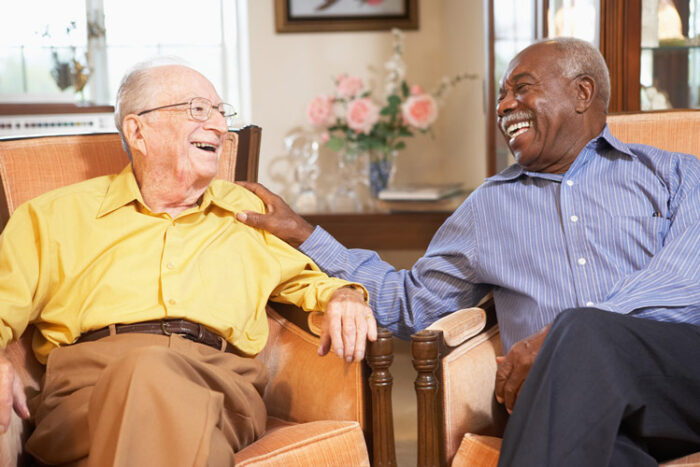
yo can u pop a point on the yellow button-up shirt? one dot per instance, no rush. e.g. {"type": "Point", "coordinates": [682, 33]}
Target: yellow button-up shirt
{"type": "Point", "coordinates": [92, 254]}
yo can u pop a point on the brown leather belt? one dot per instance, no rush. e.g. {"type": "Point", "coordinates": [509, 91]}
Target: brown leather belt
{"type": "Point", "coordinates": [187, 329]}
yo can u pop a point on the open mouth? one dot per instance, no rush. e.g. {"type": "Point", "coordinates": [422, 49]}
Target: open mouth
{"type": "Point", "coordinates": [518, 128]}
{"type": "Point", "coordinates": [205, 146]}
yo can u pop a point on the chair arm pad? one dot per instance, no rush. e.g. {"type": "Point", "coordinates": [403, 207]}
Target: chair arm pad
{"type": "Point", "coordinates": [460, 326]}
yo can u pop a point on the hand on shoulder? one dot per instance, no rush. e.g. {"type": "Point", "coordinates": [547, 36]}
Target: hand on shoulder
{"type": "Point", "coordinates": [280, 220]}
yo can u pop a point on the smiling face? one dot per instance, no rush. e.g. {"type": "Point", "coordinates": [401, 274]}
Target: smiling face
{"type": "Point", "coordinates": [537, 111]}
{"type": "Point", "coordinates": [175, 149]}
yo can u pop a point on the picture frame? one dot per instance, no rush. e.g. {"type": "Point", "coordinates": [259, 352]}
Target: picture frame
{"type": "Point", "coordinates": [345, 15]}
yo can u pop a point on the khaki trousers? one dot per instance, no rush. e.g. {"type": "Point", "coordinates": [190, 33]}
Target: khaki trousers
{"type": "Point", "coordinates": [146, 400]}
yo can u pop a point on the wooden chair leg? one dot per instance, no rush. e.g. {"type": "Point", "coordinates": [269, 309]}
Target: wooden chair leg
{"type": "Point", "coordinates": [380, 355]}
{"type": "Point", "coordinates": [426, 353]}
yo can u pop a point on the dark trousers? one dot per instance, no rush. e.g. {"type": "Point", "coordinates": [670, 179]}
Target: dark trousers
{"type": "Point", "coordinates": [608, 389]}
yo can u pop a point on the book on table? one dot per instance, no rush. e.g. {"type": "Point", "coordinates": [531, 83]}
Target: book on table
{"type": "Point", "coordinates": [442, 199]}
{"type": "Point", "coordinates": [419, 192]}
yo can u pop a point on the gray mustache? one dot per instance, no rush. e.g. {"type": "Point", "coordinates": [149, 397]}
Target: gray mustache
{"type": "Point", "coordinates": [519, 115]}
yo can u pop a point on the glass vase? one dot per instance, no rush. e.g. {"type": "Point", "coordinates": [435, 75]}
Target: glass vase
{"type": "Point", "coordinates": [303, 150]}
{"type": "Point", "coordinates": [345, 197]}
{"type": "Point", "coordinates": [381, 171]}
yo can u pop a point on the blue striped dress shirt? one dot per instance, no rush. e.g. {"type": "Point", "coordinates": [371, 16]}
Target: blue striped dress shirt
{"type": "Point", "coordinates": [619, 231]}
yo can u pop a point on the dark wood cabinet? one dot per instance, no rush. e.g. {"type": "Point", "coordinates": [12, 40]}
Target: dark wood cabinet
{"type": "Point", "coordinates": [382, 231]}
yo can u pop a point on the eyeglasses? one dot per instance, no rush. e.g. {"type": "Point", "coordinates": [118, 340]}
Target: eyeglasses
{"type": "Point", "coordinates": [200, 109]}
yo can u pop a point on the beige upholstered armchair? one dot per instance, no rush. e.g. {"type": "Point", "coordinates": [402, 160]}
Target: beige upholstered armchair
{"type": "Point", "coordinates": [320, 409]}
{"type": "Point", "coordinates": [459, 421]}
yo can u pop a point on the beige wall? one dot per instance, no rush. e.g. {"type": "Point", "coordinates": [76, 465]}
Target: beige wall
{"type": "Point", "coordinates": [287, 70]}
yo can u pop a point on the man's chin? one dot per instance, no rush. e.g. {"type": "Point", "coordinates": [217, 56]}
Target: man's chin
{"type": "Point", "coordinates": [524, 160]}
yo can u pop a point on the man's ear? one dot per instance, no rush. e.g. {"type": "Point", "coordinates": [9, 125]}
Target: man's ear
{"type": "Point", "coordinates": [585, 91]}
{"type": "Point", "coordinates": [133, 134]}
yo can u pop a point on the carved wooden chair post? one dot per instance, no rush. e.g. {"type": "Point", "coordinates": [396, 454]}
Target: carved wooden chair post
{"type": "Point", "coordinates": [425, 348]}
{"type": "Point", "coordinates": [380, 355]}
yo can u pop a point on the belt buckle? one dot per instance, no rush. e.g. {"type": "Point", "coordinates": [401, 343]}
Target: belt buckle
{"type": "Point", "coordinates": [164, 328]}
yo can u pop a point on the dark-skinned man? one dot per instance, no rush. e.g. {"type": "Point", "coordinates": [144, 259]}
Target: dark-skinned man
{"type": "Point", "coordinates": [591, 248]}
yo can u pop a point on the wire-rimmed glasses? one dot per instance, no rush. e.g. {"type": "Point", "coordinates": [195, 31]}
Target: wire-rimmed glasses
{"type": "Point", "coordinates": [200, 109]}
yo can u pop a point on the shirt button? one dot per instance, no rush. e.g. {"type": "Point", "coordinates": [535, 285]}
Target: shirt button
{"type": "Point", "coordinates": [570, 182]}
{"type": "Point", "coordinates": [582, 261]}
{"type": "Point", "coordinates": [170, 266]}
{"type": "Point", "coordinates": [590, 303]}
{"type": "Point", "coordinates": [172, 301]}
{"type": "Point", "coordinates": [574, 218]}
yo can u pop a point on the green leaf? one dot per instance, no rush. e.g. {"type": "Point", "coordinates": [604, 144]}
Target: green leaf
{"type": "Point", "coordinates": [375, 144]}
{"type": "Point", "coordinates": [394, 100]}
{"type": "Point", "coordinates": [404, 89]}
{"type": "Point", "coordinates": [400, 145]}
{"type": "Point", "coordinates": [335, 143]}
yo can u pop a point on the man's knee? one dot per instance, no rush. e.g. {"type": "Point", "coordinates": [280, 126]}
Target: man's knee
{"type": "Point", "coordinates": [586, 330]}
{"type": "Point", "coordinates": [584, 322]}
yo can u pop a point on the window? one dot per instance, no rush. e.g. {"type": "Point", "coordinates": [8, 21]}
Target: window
{"type": "Point", "coordinates": [44, 46]}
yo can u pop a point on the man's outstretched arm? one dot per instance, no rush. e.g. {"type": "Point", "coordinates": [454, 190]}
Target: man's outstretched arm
{"type": "Point", "coordinates": [404, 301]}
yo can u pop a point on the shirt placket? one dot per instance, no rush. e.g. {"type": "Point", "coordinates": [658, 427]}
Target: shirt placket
{"type": "Point", "coordinates": [580, 256]}
{"type": "Point", "coordinates": [169, 268]}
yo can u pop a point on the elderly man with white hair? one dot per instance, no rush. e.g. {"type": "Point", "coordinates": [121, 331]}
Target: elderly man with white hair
{"type": "Point", "coordinates": [149, 296]}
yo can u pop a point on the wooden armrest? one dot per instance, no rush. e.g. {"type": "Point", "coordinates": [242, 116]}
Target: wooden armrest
{"type": "Point", "coordinates": [455, 383]}
{"type": "Point", "coordinates": [461, 325]}
{"type": "Point", "coordinates": [304, 386]}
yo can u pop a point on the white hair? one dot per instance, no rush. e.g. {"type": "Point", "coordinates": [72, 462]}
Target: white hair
{"type": "Point", "coordinates": [581, 57]}
{"type": "Point", "coordinates": [135, 90]}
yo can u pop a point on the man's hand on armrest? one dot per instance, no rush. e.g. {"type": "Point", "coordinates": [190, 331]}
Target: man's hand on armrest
{"type": "Point", "coordinates": [515, 366]}
{"type": "Point", "coordinates": [347, 324]}
{"type": "Point", "coordinates": [11, 393]}
{"type": "Point", "coordinates": [280, 220]}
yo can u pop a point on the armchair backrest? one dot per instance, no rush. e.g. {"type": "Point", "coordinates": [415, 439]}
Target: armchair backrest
{"type": "Point", "coordinates": [671, 130]}
{"type": "Point", "coordinates": [32, 166]}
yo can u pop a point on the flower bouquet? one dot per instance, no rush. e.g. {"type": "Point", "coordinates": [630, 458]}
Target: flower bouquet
{"type": "Point", "coordinates": [355, 123]}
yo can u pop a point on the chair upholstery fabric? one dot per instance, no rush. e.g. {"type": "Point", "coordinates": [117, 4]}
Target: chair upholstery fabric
{"type": "Point", "coordinates": [327, 443]}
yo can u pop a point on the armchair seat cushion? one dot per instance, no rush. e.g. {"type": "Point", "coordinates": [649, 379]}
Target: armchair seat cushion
{"type": "Point", "coordinates": [329, 443]}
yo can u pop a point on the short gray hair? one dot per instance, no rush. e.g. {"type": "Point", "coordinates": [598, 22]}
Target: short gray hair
{"type": "Point", "coordinates": [135, 91]}
{"type": "Point", "coordinates": [582, 57]}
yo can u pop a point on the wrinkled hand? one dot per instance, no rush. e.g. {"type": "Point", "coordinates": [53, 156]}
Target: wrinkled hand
{"type": "Point", "coordinates": [347, 324]}
{"type": "Point", "coordinates": [11, 394]}
{"type": "Point", "coordinates": [515, 366]}
{"type": "Point", "coordinates": [280, 220]}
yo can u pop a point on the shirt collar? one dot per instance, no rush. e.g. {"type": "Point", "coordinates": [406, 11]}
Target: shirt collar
{"type": "Point", "coordinates": [604, 140]}
{"type": "Point", "coordinates": [122, 190]}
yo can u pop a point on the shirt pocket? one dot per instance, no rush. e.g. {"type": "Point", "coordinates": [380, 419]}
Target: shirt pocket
{"type": "Point", "coordinates": [629, 242]}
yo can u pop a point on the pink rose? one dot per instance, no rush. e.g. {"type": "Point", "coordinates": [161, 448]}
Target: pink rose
{"type": "Point", "coordinates": [362, 115]}
{"type": "Point", "coordinates": [325, 137]}
{"type": "Point", "coordinates": [320, 111]}
{"type": "Point", "coordinates": [349, 86]}
{"type": "Point", "coordinates": [373, 2]}
{"type": "Point", "coordinates": [419, 111]}
{"type": "Point", "coordinates": [416, 90]}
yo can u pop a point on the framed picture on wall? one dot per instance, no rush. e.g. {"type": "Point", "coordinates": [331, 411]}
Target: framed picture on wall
{"type": "Point", "coordinates": [345, 15]}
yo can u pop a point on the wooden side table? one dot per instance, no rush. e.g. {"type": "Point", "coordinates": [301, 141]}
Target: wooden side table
{"type": "Point", "coordinates": [382, 231]}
